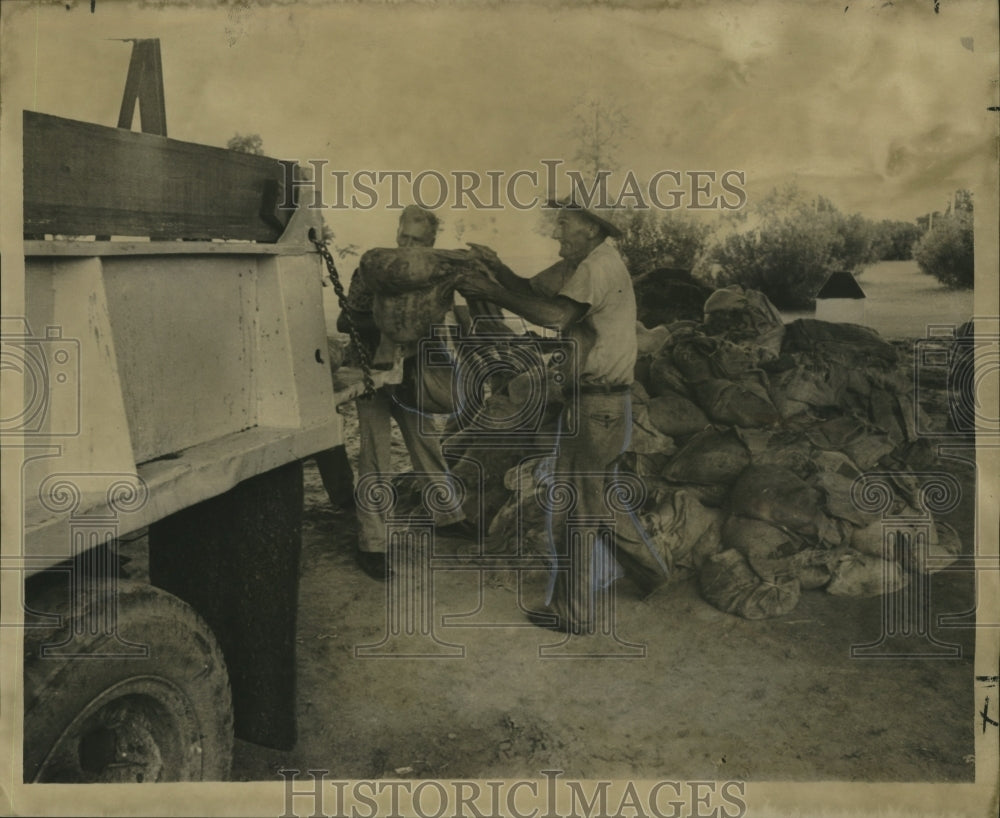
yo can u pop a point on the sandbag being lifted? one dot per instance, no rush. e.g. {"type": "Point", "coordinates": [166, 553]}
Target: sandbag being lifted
{"type": "Point", "coordinates": [412, 287]}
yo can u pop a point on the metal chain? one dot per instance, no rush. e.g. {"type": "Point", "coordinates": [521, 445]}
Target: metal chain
{"type": "Point", "coordinates": [338, 288]}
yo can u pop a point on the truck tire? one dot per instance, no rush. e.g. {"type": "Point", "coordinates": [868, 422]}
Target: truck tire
{"type": "Point", "coordinates": [110, 714]}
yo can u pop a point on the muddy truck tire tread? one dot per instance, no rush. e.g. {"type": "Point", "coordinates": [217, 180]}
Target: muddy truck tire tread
{"type": "Point", "coordinates": [146, 701]}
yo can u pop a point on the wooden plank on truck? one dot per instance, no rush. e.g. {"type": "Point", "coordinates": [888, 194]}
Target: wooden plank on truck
{"type": "Point", "coordinates": [85, 179]}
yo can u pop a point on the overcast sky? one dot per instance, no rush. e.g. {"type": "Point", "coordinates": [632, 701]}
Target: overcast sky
{"type": "Point", "coordinates": [881, 107]}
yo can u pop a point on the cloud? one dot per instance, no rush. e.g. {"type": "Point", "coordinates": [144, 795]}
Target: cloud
{"type": "Point", "coordinates": [873, 104]}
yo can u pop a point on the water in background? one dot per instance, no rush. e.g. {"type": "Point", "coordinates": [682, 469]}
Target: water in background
{"type": "Point", "coordinates": [902, 301]}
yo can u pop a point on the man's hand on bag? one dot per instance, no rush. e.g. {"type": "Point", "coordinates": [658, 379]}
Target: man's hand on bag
{"type": "Point", "coordinates": [485, 254]}
{"type": "Point", "coordinates": [479, 282]}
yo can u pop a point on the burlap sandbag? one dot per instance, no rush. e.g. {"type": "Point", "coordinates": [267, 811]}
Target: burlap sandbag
{"type": "Point", "coordinates": [864, 444]}
{"type": "Point", "coordinates": [731, 360]}
{"type": "Point", "coordinates": [776, 495]}
{"type": "Point", "coordinates": [650, 341]}
{"type": "Point", "coordinates": [940, 555]}
{"type": "Point", "coordinates": [645, 437]}
{"type": "Point", "coordinates": [700, 357]}
{"type": "Point", "coordinates": [394, 270]}
{"type": "Point", "coordinates": [692, 357]}
{"type": "Point", "coordinates": [519, 527]}
{"type": "Point", "coordinates": [664, 377]}
{"type": "Point", "coordinates": [711, 456]}
{"type": "Point", "coordinates": [768, 548]}
{"type": "Point", "coordinates": [923, 547]}
{"type": "Point", "coordinates": [482, 471]}
{"type": "Point", "coordinates": [794, 455]}
{"type": "Point", "coordinates": [893, 412]}
{"type": "Point", "coordinates": [775, 553]}
{"type": "Point", "coordinates": [835, 462]}
{"type": "Point", "coordinates": [743, 403]}
{"type": "Point", "coordinates": [832, 532]}
{"type": "Point", "coordinates": [713, 495]}
{"type": "Point", "coordinates": [814, 567]}
{"type": "Point", "coordinates": [849, 345]}
{"type": "Point", "coordinates": [412, 287]}
{"type": "Point", "coordinates": [749, 318]}
{"type": "Point", "coordinates": [520, 524]}
{"type": "Point", "coordinates": [730, 584]}
{"type": "Point", "coordinates": [407, 317]}
{"type": "Point", "coordinates": [682, 530]}
{"type": "Point", "coordinates": [809, 385]}
{"type": "Point", "coordinates": [863, 575]}
{"type": "Point", "coordinates": [644, 465]}
{"type": "Point", "coordinates": [675, 415]}
{"type": "Point", "coordinates": [904, 521]}
{"type": "Point", "coordinates": [838, 498]}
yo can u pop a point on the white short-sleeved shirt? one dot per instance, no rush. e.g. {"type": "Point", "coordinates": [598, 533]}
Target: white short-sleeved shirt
{"type": "Point", "coordinates": [605, 337]}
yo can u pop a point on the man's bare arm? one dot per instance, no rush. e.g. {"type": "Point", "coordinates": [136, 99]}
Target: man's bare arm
{"type": "Point", "coordinates": [555, 311]}
{"type": "Point", "coordinates": [507, 277]}
{"type": "Point", "coordinates": [547, 311]}
{"type": "Point", "coordinates": [511, 281]}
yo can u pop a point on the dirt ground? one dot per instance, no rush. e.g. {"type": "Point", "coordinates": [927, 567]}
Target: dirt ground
{"type": "Point", "coordinates": [707, 696]}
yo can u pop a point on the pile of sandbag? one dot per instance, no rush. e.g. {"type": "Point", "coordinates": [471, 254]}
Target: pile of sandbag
{"type": "Point", "coordinates": [486, 439]}
{"type": "Point", "coordinates": [750, 437]}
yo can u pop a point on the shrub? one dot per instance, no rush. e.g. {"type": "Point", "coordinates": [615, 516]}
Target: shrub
{"type": "Point", "coordinates": [894, 241]}
{"type": "Point", "coordinates": [947, 250]}
{"type": "Point", "coordinates": [795, 244]}
{"type": "Point", "coordinates": [787, 261]}
{"type": "Point", "coordinates": [854, 242]}
{"type": "Point", "coordinates": [251, 143]}
{"type": "Point", "coordinates": [652, 240]}
{"type": "Point", "coordinates": [787, 255]}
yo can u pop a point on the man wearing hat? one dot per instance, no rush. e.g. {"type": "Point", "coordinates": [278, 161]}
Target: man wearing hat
{"type": "Point", "coordinates": [589, 298]}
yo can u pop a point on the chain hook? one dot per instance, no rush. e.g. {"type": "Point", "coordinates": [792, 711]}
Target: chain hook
{"type": "Point", "coordinates": [338, 288]}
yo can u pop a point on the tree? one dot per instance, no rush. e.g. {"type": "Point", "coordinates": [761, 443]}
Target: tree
{"type": "Point", "coordinates": [251, 143]}
{"type": "Point", "coordinates": [652, 239]}
{"type": "Point", "coordinates": [947, 250]}
{"type": "Point", "coordinates": [894, 240]}
{"type": "Point", "coordinates": [962, 201]}
{"type": "Point", "coordinates": [598, 129]}
{"type": "Point", "coordinates": [786, 259]}
{"type": "Point", "coordinates": [853, 246]}
{"type": "Point", "coordinates": [794, 244]}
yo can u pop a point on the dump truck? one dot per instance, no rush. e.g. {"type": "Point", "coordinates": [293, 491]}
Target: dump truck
{"type": "Point", "coordinates": [174, 371]}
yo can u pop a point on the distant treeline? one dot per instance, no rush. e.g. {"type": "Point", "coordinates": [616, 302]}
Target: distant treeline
{"type": "Point", "coordinates": [787, 243]}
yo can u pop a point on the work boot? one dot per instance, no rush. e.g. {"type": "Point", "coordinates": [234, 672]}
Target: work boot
{"type": "Point", "coordinates": [550, 619]}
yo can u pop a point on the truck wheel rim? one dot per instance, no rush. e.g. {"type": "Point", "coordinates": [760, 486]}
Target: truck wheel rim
{"type": "Point", "coordinates": [141, 730]}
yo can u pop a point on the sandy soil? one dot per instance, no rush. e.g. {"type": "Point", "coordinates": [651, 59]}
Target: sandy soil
{"type": "Point", "coordinates": [707, 696]}
{"type": "Point", "coordinates": [693, 693]}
